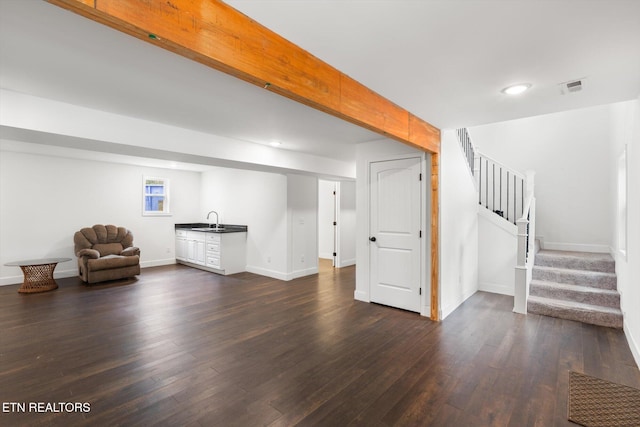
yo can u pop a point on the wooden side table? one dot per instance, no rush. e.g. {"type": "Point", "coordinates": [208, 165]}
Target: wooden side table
{"type": "Point", "coordinates": [38, 274]}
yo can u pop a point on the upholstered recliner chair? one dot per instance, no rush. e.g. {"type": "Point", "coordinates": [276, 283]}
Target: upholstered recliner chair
{"type": "Point", "coordinates": [106, 252]}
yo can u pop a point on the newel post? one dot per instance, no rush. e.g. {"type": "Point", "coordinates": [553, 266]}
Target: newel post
{"type": "Point", "coordinates": [521, 291]}
{"type": "Point", "coordinates": [526, 237]}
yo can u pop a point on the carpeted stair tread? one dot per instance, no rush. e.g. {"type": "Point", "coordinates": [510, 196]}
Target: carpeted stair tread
{"type": "Point", "coordinates": [577, 293]}
{"type": "Point", "coordinates": [596, 279]}
{"type": "Point", "coordinates": [586, 313]}
{"type": "Point", "coordinates": [576, 260]}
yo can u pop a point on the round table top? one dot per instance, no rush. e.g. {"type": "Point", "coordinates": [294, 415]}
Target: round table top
{"type": "Point", "coordinates": [41, 261]}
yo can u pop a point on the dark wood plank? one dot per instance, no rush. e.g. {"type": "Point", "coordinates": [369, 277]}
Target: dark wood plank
{"type": "Point", "coordinates": [180, 346]}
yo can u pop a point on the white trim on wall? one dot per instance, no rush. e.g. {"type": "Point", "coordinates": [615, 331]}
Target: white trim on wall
{"type": "Point", "coordinates": [577, 247]}
{"type": "Point", "coordinates": [634, 344]}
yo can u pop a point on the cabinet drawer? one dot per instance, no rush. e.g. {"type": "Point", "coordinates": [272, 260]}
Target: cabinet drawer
{"type": "Point", "coordinates": [181, 233]}
{"type": "Point", "coordinates": [213, 247]}
{"type": "Point", "coordinates": [213, 238]}
{"type": "Point", "coordinates": [196, 235]}
{"type": "Point", "coordinates": [213, 261]}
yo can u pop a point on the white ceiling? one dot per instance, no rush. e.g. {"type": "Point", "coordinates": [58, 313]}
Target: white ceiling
{"type": "Point", "coordinates": [444, 61]}
{"type": "Point", "coordinates": [447, 60]}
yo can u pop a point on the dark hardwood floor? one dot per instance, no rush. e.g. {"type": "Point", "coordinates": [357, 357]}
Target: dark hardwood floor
{"type": "Point", "coordinates": [180, 346]}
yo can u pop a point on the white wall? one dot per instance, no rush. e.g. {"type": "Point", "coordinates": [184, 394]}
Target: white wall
{"type": "Point", "coordinates": [569, 151]}
{"type": "Point", "coordinates": [302, 218]}
{"type": "Point", "coordinates": [27, 118]}
{"type": "Point", "coordinates": [326, 213]}
{"type": "Point", "coordinates": [255, 199]}
{"type": "Point", "coordinates": [347, 224]}
{"type": "Point", "coordinates": [497, 253]}
{"type": "Point", "coordinates": [625, 132]}
{"type": "Point", "coordinates": [458, 227]}
{"type": "Point", "coordinates": [280, 211]}
{"type": "Point", "coordinates": [379, 151]}
{"type": "Point", "coordinates": [44, 200]}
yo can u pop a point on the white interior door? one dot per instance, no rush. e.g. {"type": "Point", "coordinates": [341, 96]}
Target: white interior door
{"type": "Point", "coordinates": [394, 235]}
{"type": "Point", "coordinates": [326, 219]}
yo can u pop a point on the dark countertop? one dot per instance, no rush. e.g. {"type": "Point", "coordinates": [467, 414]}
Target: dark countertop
{"type": "Point", "coordinates": [210, 228]}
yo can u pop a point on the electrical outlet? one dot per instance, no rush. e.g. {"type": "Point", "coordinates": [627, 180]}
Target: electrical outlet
{"type": "Point", "coordinates": [268, 260]}
{"type": "Point", "coordinates": [302, 258]}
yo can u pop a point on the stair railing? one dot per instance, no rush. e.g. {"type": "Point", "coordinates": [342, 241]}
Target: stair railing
{"type": "Point", "coordinates": [501, 189]}
{"type": "Point", "coordinates": [510, 195]}
{"type": "Point", "coordinates": [526, 248]}
{"type": "Point", "coordinates": [467, 148]}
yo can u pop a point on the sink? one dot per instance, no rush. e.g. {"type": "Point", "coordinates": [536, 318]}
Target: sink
{"type": "Point", "coordinates": [208, 229]}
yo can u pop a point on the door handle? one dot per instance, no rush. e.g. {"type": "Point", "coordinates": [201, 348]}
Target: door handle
{"type": "Point", "coordinates": [373, 239]}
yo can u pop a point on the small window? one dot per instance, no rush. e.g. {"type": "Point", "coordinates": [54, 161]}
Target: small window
{"type": "Point", "coordinates": [155, 196]}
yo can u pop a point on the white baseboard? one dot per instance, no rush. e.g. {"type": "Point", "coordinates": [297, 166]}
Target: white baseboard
{"type": "Point", "coordinates": [450, 308]}
{"type": "Point", "coordinates": [302, 273]}
{"type": "Point", "coordinates": [426, 311]}
{"type": "Point", "coordinates": [67, 272]}
{"type": "Point", "coordinates": [265, 272]}
{"type": "Point", "coordinates": [577, 247]}
{"type": "Point", "coordinates": [361, 296]}
{"type": "Point", "coordinates": [73, 271]}
{"type": "Point", "coordinates": [11, 280]}
{"type": "Point", "coordinates": [157, 263]}
{"type": "Point", "coordinates": [280, 275]}
{"type": "Point", "coordinates": [347, 263]}
{"type": "Point", "coordinates": [634, 345]}
{"type": "Point", "coordinates": [496, 288]}
{"type": "Point", "coordinates": [57, 274]}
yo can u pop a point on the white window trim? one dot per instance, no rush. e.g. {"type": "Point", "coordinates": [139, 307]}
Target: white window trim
{"type": "Point", "coordinates": [166, 205]}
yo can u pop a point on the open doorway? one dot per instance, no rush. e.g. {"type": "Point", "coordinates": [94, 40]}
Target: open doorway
{"type": "Point", "coordinates": [327, 221]}
{"type": "Point", "coordinates": [337, 223]}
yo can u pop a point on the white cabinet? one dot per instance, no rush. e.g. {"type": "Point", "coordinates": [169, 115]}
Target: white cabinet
{"type": "Point", "coordinates": [223, 253]}
{"type": "Point", "coordinates": [181, 245]}
{"type": "Point", "coordinates": [190, 246]}
{"type": "Point", "coordinates": [213, 250]}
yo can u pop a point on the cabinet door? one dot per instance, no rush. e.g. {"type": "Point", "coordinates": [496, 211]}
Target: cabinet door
{"type": "Point", "coordinates": [181, 248]}
{"type": "Point", "coordinates": [200, 253]}
{"type": "Point", "coordinates": [191, 250]}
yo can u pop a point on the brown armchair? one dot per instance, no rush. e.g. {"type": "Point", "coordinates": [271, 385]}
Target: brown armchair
{"type": "Point", "coordinates": [106, 252]}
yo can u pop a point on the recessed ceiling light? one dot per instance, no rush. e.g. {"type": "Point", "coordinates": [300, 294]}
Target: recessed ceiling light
{"type": "Point", "coordinates": [516, 89]}
{"type": "Point", "coordinates": [275, 143]}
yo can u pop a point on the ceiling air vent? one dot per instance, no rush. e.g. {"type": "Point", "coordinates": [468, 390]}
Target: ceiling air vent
{"type": "Point", "coordinates": [571, 87]}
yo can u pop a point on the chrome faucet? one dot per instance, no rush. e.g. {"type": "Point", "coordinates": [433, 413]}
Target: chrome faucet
{"type": "Point", "coordinates": [217, 219]}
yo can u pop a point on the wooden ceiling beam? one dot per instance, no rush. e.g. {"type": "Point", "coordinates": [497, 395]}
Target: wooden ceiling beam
{"type": "Point", "coordinates": [215, 34]}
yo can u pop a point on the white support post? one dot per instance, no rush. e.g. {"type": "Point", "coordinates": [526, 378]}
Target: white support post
{"type": "Point", "coordinates": [525, 255]}
{"type": "Point", "coordinates": [521, 291]}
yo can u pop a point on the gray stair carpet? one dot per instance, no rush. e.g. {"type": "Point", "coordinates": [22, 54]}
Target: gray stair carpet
{"type": "Point", "coordinates": [578, 286]}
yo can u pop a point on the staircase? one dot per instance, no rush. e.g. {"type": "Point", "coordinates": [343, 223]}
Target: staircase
{"type": "Point", "coordinates": [577, 286]}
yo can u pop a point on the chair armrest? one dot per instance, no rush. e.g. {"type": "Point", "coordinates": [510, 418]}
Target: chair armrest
{"type": "Point", "coordinates": [89, 253]}
{"type": "Point", "coordinates": [131, 251]}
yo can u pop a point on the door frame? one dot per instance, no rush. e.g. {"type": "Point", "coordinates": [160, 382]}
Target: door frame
{"type": "Point", "coordinates": [335, 218]}
{"type": "Point", "coordinates": [427, 290]}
